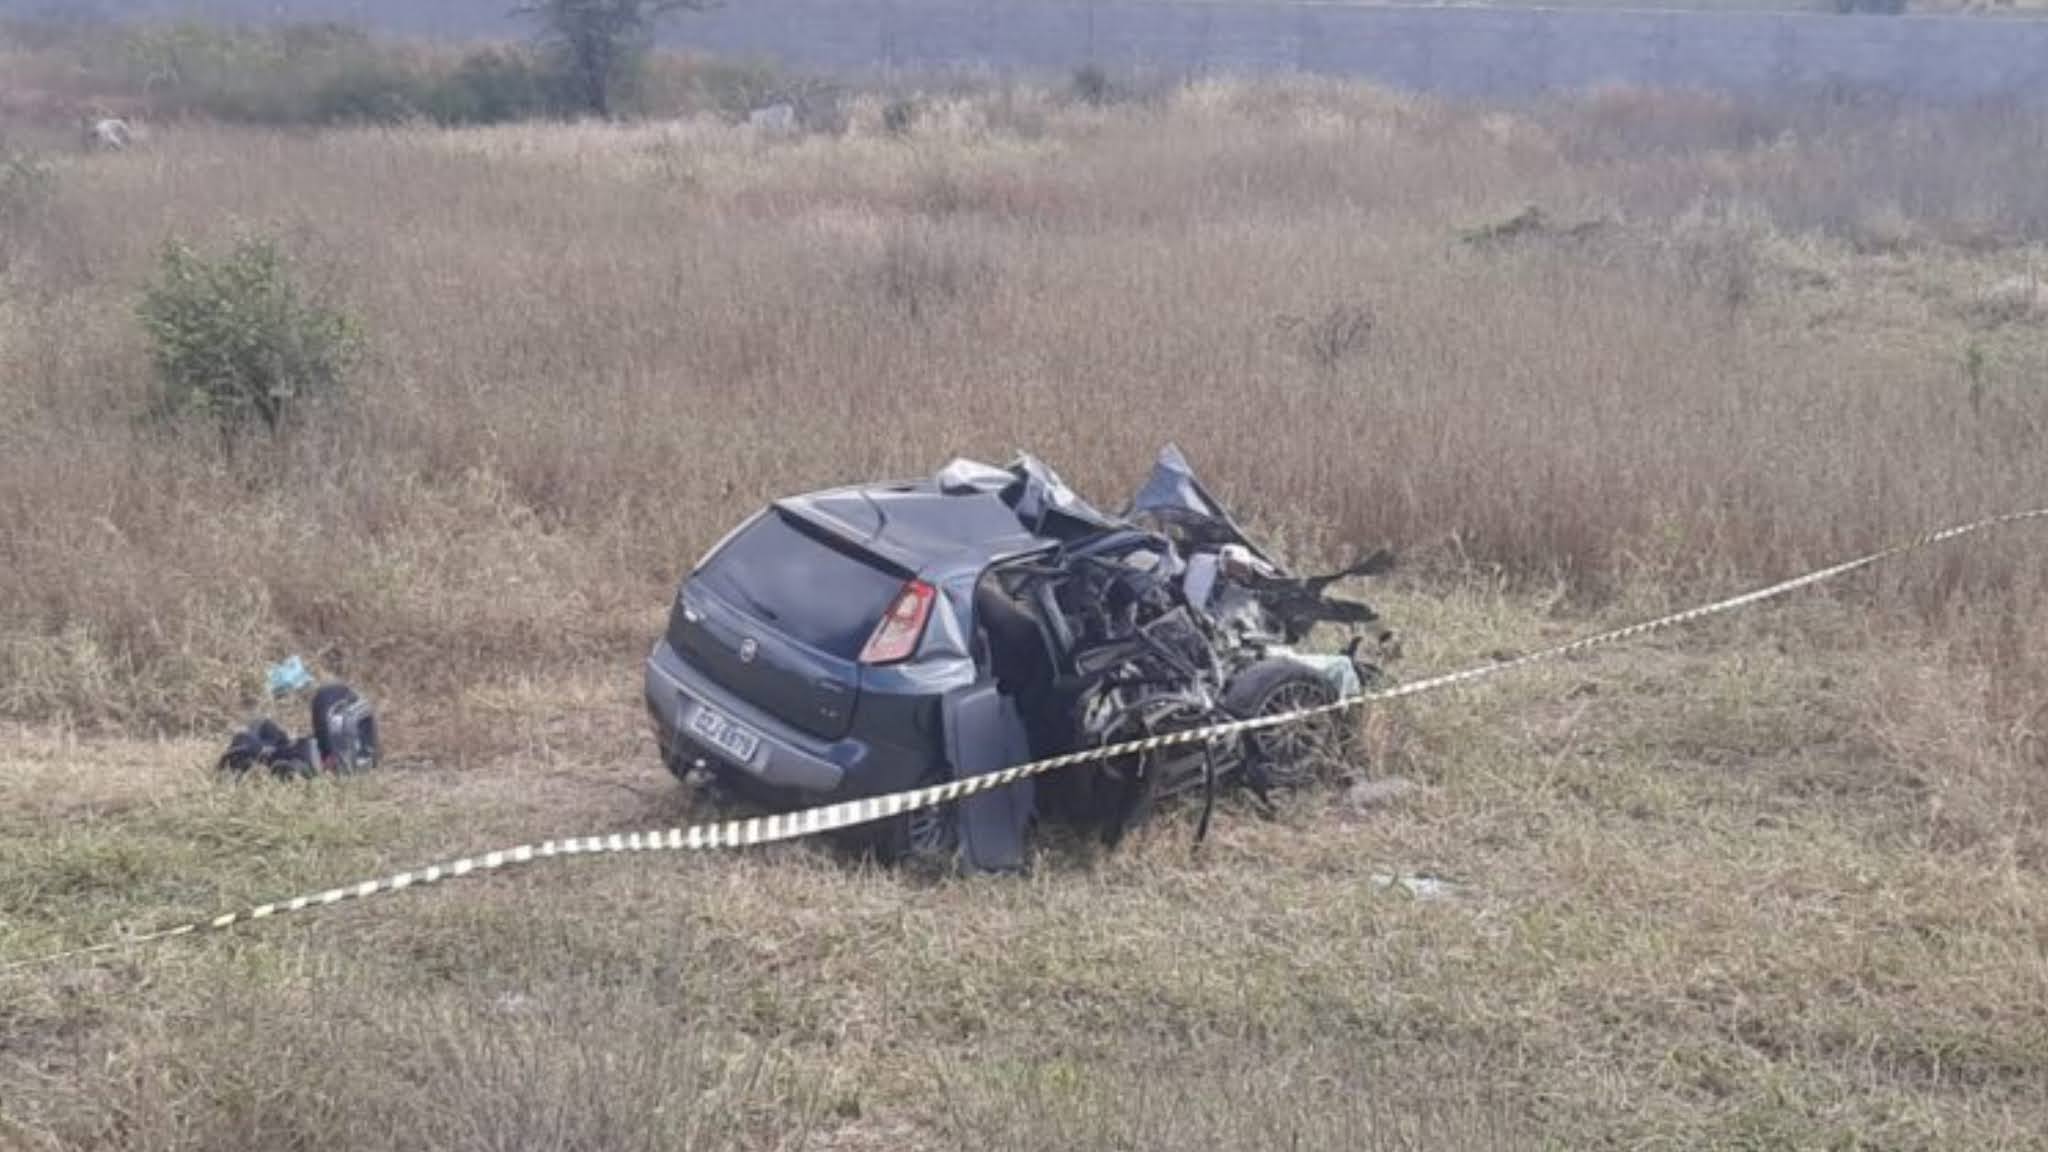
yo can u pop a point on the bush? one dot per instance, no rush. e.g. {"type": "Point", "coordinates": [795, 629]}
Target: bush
{"type": "Point", "coordinates": [730, 87]}
{"type": "Point", "coordinates": [235, 340]}
{"type": "Point", "coordinates": [368, 95]}
{"type": "Point", "coordinates": [490, 86]}
{"type": "Point", "coordinates": [1092, 85]}
{"type": "Point", "coordinates": [899, 116]}
{"type": "Point", "coordinates": [263, 75]}
{"type": "Point", "coordinates": [324, 74]}
{"type": "Point", "coordinates": [495, 86]}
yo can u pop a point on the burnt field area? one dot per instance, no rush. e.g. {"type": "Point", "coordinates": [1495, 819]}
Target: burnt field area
{"type": "Point", "coordinates": [1780, 881]}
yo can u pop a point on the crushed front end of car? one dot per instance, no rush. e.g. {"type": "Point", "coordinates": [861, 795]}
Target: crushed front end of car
{"type": "Point", "coordinates": [874, 639]}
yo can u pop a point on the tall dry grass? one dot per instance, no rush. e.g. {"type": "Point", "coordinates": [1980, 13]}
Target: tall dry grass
{"type": "Point", "coordinates": [1735, 341]}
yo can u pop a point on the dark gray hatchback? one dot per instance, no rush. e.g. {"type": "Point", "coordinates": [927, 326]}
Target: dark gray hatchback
{"type": "Point", "coordinates": [868, 640]}
{"type": "Point", "coordinates": [814, 653]}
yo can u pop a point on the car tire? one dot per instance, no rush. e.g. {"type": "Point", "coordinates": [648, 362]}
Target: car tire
{"type": "Point", "coordinates": [928, 837]}
{"type": "Point", "coordinates": [1296, 755]}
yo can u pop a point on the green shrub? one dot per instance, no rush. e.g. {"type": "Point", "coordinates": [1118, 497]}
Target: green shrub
{"type": "Point", "coordinates": [490, 86]}
{"type": "Point", "coordinates": [1092, 85]}
{"type": "Point", "coordinates": [496, 86]}
{"type": "Point", "coordinates": [729, 86]}
{"type": "Point", "coordinates": [368, 95]}
{"type": "Point", "coordinates": [293, 74]}
{"type": "Point", "coordinates": [236, 341]}
{"type": "Point", "coordinates": [899, 116]}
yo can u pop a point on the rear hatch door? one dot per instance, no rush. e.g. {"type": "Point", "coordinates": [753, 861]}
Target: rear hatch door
{"type": "Point", "coordinates": [778, 615]}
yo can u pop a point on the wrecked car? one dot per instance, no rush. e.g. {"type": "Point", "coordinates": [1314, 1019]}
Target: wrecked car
{"type": "Point", "coordinates": [873, 639]}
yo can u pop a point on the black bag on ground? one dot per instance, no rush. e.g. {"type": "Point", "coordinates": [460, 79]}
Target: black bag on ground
{"type": "Point", "coordinates": [344, 741]}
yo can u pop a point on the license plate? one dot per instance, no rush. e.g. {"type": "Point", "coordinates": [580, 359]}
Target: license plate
{"type": "Point", "coordinates": [725, 734]}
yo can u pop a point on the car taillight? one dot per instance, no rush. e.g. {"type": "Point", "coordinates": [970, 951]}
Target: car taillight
{"type": "Point", "coordinates": [896, 636]}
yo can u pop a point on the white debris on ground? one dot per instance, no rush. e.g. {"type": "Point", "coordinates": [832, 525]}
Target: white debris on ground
{"type": "Point", "coordinates": [1380, 793]}
{"type": "Point", "coordinates": [774, 120]}
{"type": "Point", "coordinates": [1419, 886]}
{"type": "Point", "coordinates": [109, 134]}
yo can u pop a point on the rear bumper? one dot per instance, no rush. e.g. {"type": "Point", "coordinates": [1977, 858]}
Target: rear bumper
{"type": "Point", "coordinates": [788, 764]}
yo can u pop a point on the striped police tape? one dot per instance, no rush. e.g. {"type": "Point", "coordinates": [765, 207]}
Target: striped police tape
{"type": "Point", "coordinates": [854, 813]}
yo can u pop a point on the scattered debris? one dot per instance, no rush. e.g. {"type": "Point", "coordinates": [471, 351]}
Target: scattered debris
{"type": "Point", "coordinates": [343, 741]}
{"type": "Point", "coordinates": [1380, 793]}
{"type": "Point", "coordinates": [1529, 223]}
{"type": "Point", "coordinates": [1419, 885]}
{"type": "Point", "coordinates": [774, 120]}
{"type": "Point", "coordinates": [877, 638]}
{"type": "Point", "coordinates": [108, 134]}
{"type": "Point", "coordinates": [288, 676]}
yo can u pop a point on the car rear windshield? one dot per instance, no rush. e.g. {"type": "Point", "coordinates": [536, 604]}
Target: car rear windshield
{"type": "Point", "coordinates": [801, 586]}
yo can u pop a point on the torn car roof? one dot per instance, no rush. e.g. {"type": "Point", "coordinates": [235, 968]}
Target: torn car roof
{"type": "Point", "coordinates": [969, 514]}
{"type": "Point", "coordinates": [919, 528]}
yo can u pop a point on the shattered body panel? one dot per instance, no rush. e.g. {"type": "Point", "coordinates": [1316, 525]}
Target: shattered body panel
{"type": "Point", "coordinates": [871, 639]}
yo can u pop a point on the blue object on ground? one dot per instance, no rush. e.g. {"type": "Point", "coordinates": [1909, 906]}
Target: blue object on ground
{"type": "Point", "coordinates": [289, 676]}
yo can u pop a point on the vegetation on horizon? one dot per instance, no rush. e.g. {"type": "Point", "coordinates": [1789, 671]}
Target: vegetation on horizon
{"type": "Point", "coordinates": [587, 57]}
{"type": "Point", "coordinates": [600, 47]}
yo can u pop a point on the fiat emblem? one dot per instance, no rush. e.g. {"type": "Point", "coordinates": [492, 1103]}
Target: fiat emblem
{"type": "Point", "coordinates": [749, 648]}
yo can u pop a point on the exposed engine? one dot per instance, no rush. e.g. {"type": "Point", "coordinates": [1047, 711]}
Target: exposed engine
{"type": "Point", "coordinates": [1167, 619]}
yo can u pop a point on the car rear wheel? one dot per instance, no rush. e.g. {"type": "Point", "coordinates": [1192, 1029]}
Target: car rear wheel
{"type": "Point", "coordinates": [926, 837]}
{"type": "Point", "coordinates": [1298, 754]}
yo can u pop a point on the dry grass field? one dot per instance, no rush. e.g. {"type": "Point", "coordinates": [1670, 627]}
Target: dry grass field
{"type": "Point", "coordinates": [1778, 882]}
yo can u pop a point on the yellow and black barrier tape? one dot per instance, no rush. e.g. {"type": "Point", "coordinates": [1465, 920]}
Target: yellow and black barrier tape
{"type": "Point", "coordinates": [771, 829]}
